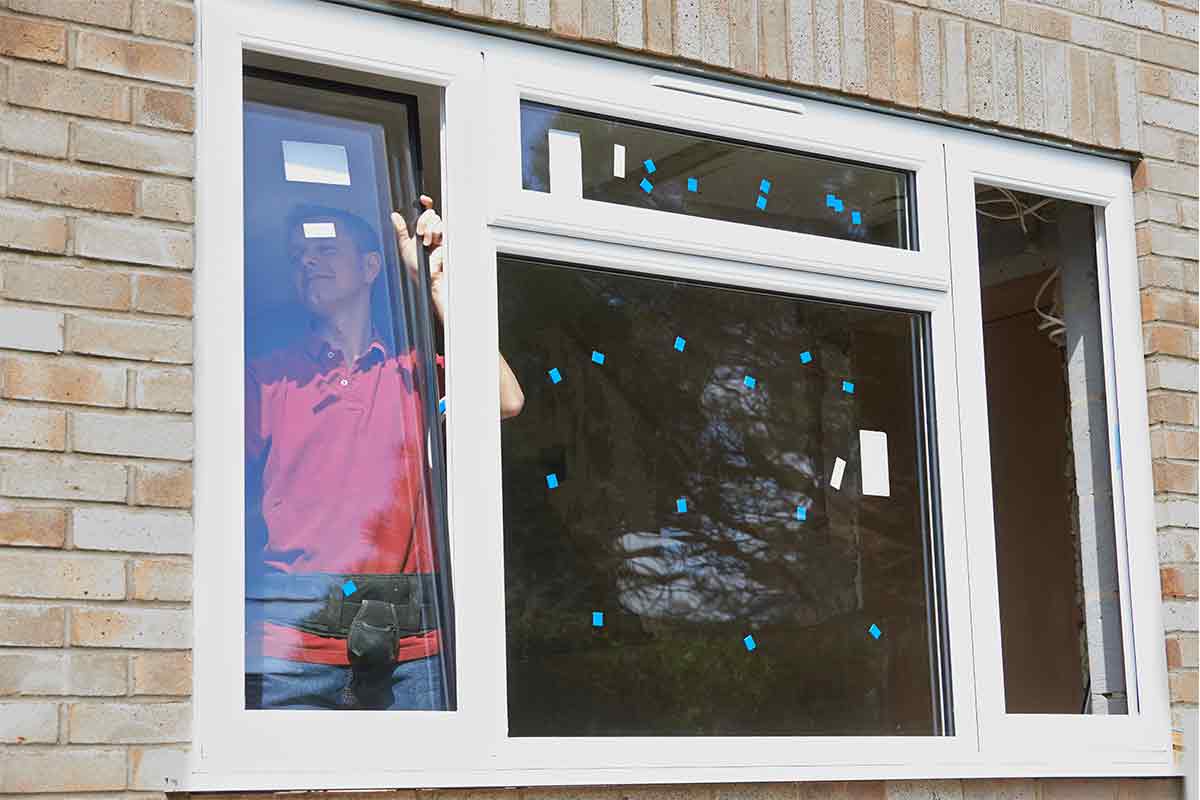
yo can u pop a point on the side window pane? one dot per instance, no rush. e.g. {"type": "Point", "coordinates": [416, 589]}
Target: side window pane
{"type": "Point", "coordinates": [638, 165]}
{"type": "Point", "coordinates": [347, 580]}
{"type": "Point", "coordinates": [717, 515]}
{"type": "Point", "coordinates": [1052, 482]}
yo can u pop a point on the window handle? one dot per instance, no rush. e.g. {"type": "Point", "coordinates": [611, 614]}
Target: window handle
{"type": "Point", "coordinates": [747, 97]}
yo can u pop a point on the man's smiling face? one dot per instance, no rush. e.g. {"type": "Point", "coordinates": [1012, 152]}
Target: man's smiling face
{"type": "Point", "coordinates": [330, 271]}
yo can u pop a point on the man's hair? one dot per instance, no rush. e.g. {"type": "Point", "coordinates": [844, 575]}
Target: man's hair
{"type": "Point", "coordinates": [362, 232]}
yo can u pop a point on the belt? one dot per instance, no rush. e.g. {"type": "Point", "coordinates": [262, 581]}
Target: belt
{"type": "Point", "coordinates": [409, 601]}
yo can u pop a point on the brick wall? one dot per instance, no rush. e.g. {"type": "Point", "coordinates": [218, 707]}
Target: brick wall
{"type": "Point", "coordinates": [96, 252]}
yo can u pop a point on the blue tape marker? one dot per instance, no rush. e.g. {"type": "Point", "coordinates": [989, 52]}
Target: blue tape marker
{"type": "Point", "coordinates": [847, 387]}
{"type": "Point", "coordinates": [649, 162]}
{"type": "Point", "coordinates": [805, 357]}
{"type": "Point", "coordinates": [801, 513]}
{"type": "Point", "coordinates": [646, 186]}
{"type": "Point", "coordinates": [597, 357]}
{"type": "Point", "coordinates": [761, 202]}
{"type": "Point", "coordinates": [681, 505]}
{"type": "Point", "coordinates": [831, 200]}
{"type": "Point", "coordinates": [693, 185]}
{"type": "Point", "coordinates": [552, 481]}
{"type": "Point", "coordinates": [442, 406]}
{"type": "Point", "coordinates": [349, 588]}
{"type": "Point", "coordinates": [555, 375]}
{"type": "Point", "coordinates": [840, 207]}
{"type": "Point", "coordinates": [680, 343]}
{"type": "Point", "coordinates": [856, 217]}
{"type": "Point", "coordinates": [750, 643]}
{"type": "Point", "coordinates": [749, 381]}
{"type": "Point", "coordinates": [764, 186]}
{"type": "Point", "coordinates": [597, 619]}
{"type": "Point", "coordinates": [874, 631]}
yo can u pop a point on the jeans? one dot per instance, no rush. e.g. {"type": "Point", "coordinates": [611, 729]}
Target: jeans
{"type": "Point", "coordinates": [411, 686]}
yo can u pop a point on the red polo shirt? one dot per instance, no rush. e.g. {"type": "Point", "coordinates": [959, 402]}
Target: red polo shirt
{"type": "Point", "coordinates": [343, 487]}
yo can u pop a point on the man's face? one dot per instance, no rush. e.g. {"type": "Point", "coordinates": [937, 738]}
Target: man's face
{"type": "Point", "coordinates": [330, 271]}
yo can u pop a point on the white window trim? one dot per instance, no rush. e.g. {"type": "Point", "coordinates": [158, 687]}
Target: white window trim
{"type": "Point", "coordinates": [236, 749]}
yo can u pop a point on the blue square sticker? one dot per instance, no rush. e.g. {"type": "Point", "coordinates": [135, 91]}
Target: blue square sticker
{"type": "Point", "coordinates": [442, 406]}
{"type": "Point", "coordinates": [552, 481]}
{"type": "Point", "coordinates": [874, 631]}
{"type": "Point", "coordinates": [761, 202]}
{"type": "Point", "coordinates": [555, 375]}
{"type": "Point", "coordinates": [649, 162]}
{"type": "Point", "coordinates": [749, 381]}
{"type": "Point", "coordinates": [839, 206]}
{"type": "Point", "coordinates": [764, 186]}
{"type": "Point", "coordinates": [749, 642]}
{"type": "Point", "coordinates": [349, 588]}
{"type": "Point", "coordinates": [831, 200]}
{"type": "Point", "coordinates": [681, 505]}
{"type": "Point", "coordinates": [856, 217]}
{"type": "Point", "coordinates": [801, 513]}
{"type": "Point", "coordinates": [847, 387]}
{"type": "Point", "coordinates": [693, 185]}
{"type": "Point", "coordinates": [680, 343]}
{"type": "Point", "coordinates": [646, 186]}
{"type": "Point", "coordinates": [597, 357]}
{"type": "Point", "coordinates": [597, 619]}
{"type": "Point", "coordinates": [805, 357]}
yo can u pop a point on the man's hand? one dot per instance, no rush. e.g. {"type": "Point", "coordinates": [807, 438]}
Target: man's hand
{"type": "Point", "coordinates": [430, 230]}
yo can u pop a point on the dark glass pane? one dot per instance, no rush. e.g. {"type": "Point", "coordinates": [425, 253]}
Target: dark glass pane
{"type": "Point", "coordinates": [343, 479]}
{"type": "Point", "coordinates": [668, 492]}
{"type": "Point", "coordinates": [647, 167]}
{"type": "Point", "coordinates": [1052, 489]}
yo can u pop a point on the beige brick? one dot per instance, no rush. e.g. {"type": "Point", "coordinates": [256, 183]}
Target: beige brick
{"type": "Point", "coordinates": [929, 42]}
{"type": "Point", "coordinates": [714, 32]}
{"type": "Point", "coordinates": [598, 16]}
{"type": "Point", "coordinates": [164, 294]}
{"type": "Point", "coordinates": [1168, 339]}
{"type": "Point", "coordinates": [1176, 545]}
{"type": "Point", "coordinates": [132, 530]}
{"type": "Point", "coordinates": [1161, 304]}
{"type": "Point", "coordinates": [1185, 87]}
{"type": "Point", "coordinates": [1166, 50]}
{"type": "Point", "coordinates": [32, 428]}
{"type": "Point", "coordinates": [31, 329]}
{"type": "Point", "coordinates": [980, 71]}
{"type": "Point", "coordinates": [132, 58]}
{"type": "Point", "coordinates": [164, 108]}
{"type": "Point", "coordinates": [35, 132]}
{"type": "Point", "coordinates": [63, 769]}
{"type": "Point", "coordinates": [1172, 407]}
{"type": "Point", "coordinates": [1183, 687]}
{"type": "Point", "coordinates": [66, 284]}
{"type": "Point", "coordinates": [163, 673]}
{"type": "Point", "coordinates": [108, 13]}
{"type": "Point", "coordinates": [904, 27]}
{"type": "Point", "coordinates": [69, 91]}
{"type": "Point", "coordinates": [923, 790]}
{"type": "Point", "coordinates": [1180, 581]}
{"type": "Point", "coordinates": [1169, 114]}
{"type": "Point", "coordinates": [659, 32]}
{"type": "Point", "coordinates": [954, 49]}
{"type": "Point", "coordinates": [129, 723]}
{"type": "Point", "coordinates": [33, 39]}
{"type": "Point", "coordinates": [854, 46]}
{"type": "Point", "coordinates": [161, 579]}
{"type": "Point", "coordinates": [473, 8]}
{"type": "Point", "coordinates": [1165, 177]}
{"type": "Point", "coordinates": [31, 626]}
{"type": "Point", "coordinates": [25, 228]}
{"type": "Point", "coordinates": [59, 381]}
{"type": "Point", "coordinates": [1000, 789]}
{"type": "Point", "coordinates": [140, 435]}
{"type": "Point", "coordinates": [1078, 789]}
{"type": "Point", "coordinates": [744, 36]}
{"type": "Point", "coordinates": [58, 477]}
{"type": "Point", "coordinates": [164, 485]}
{"type": "Point", "coordinates": [1178, 22]}
{"type": "Point", "coordinates": [159, 768]}
{"type": "Point", "coordinates": [23, 722]}
{"type": "Point", "coordinates": [1038, 20]}
{"type": "Point", "coordinates": [168, 153]}
{"type": "Point", "coordinates": [1171, 373]}
{"type": "Point", "coordinates": [61, 185]}
{"type": "Point", "coordinates": [32, 526]}
{"type": "Point", "coordinates": [1160, 143]}
{"type": "Point", "coordinates": [1104, 100]}
{"type": "Point", "coordinates": [134, 339]}
{"type": "Point", "coordinates": [62, 673]}
{"type": "Point", "coordinates": [1156, 207]}
{"type": "Point", "coordinates": [169, 200]}
{"type": "Point", "coordinates": [1186, 654]}
{"type": "Point", "coordinates": [566, 17]}
{"type": "Point", "coordinates": [142, 628]}
{"type": "Point", "coordinates": [773, 48]}
{"type": "Point", "coordinates": [986, 10]}
{"type": "Point", "coordinates": [827, 48]}
{"type": "Point", "coordinates": [1174, 476]}
{"type": "Point", "coordinates": [163, 389]}
{"type": "Point", "coordinates": [1167, 240]}
{"type": "Point", "coordinates": [1154, 80]}
{"type": "Point", "coordinates": [881, 83]}
{"type": "Point", "coordinates": [1090, 32]}
{"type": "Point", "coordinates": [165, 19]}
{"type": "Point", "coordinates": [503, 10]}
{"type": "Point", "coordinates": [1080, 94]}
{"type": "Point", "coordinates": [1180, 512]}
{"type": "Point", "coordinates": [50, 574]}
{"type": "Point", "coordinates": [134, 241]}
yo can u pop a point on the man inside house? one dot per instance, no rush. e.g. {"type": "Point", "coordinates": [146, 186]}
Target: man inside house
{"type": "Point", "coordinates": [342, 602]}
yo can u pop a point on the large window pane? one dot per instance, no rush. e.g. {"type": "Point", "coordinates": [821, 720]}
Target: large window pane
{"type": "Point", "coordinates": [347, 583]}
{"type": "Point", "coordinates": [1052, 486]}
{"type": "Point", "coordinates": [648, 167]}
{"type": "Point", "coordinates": [717, 515]}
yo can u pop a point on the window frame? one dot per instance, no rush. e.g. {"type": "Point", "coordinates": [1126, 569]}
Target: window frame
{"type": "Point", "coordinates": [490, 213]}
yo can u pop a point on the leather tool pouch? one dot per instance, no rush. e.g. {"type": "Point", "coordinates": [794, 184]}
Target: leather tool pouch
{"type": "Point", "coordinates": [374, 635]}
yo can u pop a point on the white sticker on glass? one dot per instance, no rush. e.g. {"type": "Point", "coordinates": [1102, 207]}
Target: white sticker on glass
{"type": "Point", "coordinates": [566, 164]}
{"type": "Point", "coordinates": [319, 230]}
{"type": "Point", "coordinates": [839, 468]}
{"type": "Point", "coordinates": [618, 161]}
{"type": "Point", "coordinates": [310, 162]}
{"type": "Point", "coordinates": [872, 449]}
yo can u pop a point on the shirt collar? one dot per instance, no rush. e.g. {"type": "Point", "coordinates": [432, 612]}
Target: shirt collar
{"type": "Point", "coordinates": [320, 350]}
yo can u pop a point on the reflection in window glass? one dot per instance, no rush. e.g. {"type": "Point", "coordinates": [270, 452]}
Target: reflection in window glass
{"type": "Point", "coordinates": [1052, 484]}
{"type": "Point", "coordinates": [346, 581]}
{"type": "Point", "coordinates": [716, 512]}
{"type": "Point", "coordinates": [646, 167]}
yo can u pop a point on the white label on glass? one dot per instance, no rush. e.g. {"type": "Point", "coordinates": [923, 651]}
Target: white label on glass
{"type": "Point", "coordinates": [839, 468]}
{"type": "Point", "coordinates": [566, 164]}
{"type": "Point", "coordinates": [319, 230]}
{"type": "Point", "coordinates": [618, 161]}
{"type": "Point", "coordinates": [309, 162]}
{"type": "Point", "coordinates": [872, 449]}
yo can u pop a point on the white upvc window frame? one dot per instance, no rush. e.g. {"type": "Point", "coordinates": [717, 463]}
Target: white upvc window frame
{"type": "Point", "coordinates": [488, 213]}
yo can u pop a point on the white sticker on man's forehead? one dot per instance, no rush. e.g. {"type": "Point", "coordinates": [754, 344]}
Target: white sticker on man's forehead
{"type": "Point", "coordinates": [310, 162]}
{"type": "Point", "coordinates": [319, 230]}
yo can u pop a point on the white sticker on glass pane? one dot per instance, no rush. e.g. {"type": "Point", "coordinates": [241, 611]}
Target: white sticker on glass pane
{"type": "Point", "coordinates": [566, 164]}
{"type": "Point", "coordinates": [319, 230]}
{"type": "Point", "coordinates": [839, 469]}
{"type": "Point", "coordinates": [872, 450]}
{"type": "Point", "coordinates": [310, 162]}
